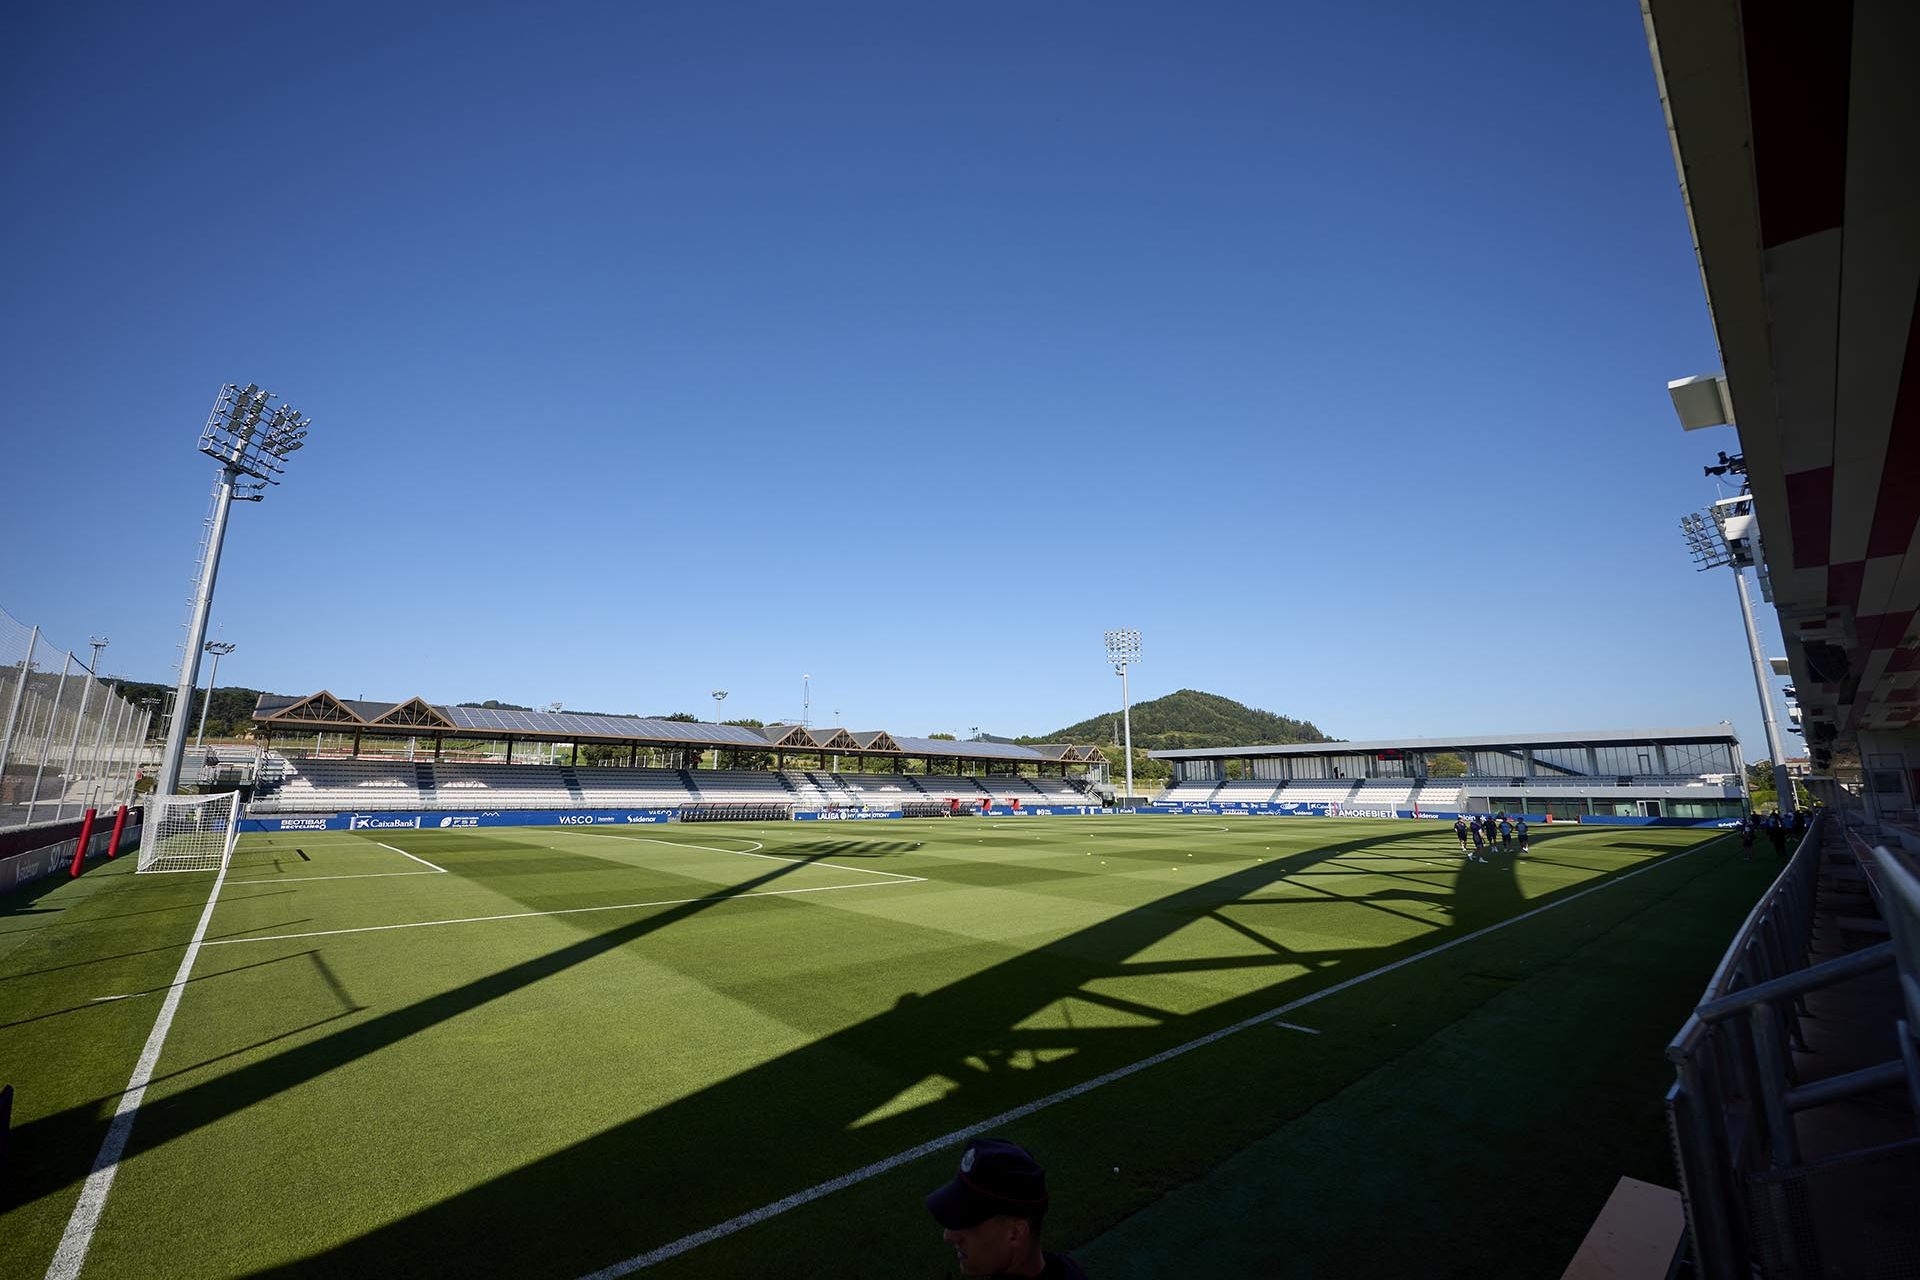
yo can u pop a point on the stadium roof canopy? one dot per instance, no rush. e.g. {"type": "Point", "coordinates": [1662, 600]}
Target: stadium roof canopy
{"type": "Point", "coordinates": [1715, 733]}
{"type": "Point", "coordinates": [1793, 132]}
{"type": "Point", "coordinates": [322, 712]}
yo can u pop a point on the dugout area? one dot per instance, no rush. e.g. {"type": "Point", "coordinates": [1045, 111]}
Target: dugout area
{"type": "Point", "coordinates": [546, 1051]}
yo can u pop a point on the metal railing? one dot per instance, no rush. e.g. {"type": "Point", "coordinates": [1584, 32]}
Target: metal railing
{"type": "Point", "coordinates": [68, 740]}
{"type": "Point", "coordinates": [1731, 1112]}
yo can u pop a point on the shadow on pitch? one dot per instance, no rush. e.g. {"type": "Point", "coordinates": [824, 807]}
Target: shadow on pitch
{"type": "Point", "coordinates": [990, 1035]}
{"type": "Point", "coordinates": [162, 1120]}
{"type": "Point", "coordinates": [151, 991]}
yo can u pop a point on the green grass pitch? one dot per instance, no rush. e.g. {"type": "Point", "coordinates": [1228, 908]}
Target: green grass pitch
{"type": "Point", "coordinates": [542, 1051]}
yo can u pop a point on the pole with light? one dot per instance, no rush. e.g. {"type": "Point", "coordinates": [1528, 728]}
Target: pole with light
{"type": "Point", "coordinates": [248, 435]}
{"type": "Point", "coordinates": [219, 649]}
{"type": "Point", "coordinates": [1728, 533]}
{"type": "Point", "coordinates": [1123, 649]}
{"type": "Point", "coordinates": [719, 696]}
{"type": "Point", "coordinates": [97, 643]}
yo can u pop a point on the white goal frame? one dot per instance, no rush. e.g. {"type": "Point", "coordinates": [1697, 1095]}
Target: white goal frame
{"type": "Point", "coordinates": [189, 832]}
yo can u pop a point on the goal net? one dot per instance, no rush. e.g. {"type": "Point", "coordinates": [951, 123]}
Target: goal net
{"type": "Point", "coordinates": [189, 833]}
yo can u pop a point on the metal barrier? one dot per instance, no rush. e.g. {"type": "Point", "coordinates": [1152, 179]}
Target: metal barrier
{"type": "Point", "coordinates": [68, 741]}
{"type": "Point", "coordinates": [1731, 1111]}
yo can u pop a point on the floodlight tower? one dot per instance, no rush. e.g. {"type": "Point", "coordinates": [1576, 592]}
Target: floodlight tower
{"type": "Point", "coordinates": [97, 643]}
{"type": "Point", "coordinates": [806, 701]}
{"type": "Point", "coordinates": [1727, 534]}
{"type": "Point", "coordinates": [719, 696]}
{"type": "Point", "coordinates": [1123, 649]}
{"type": "Point", "coordinates": [219, 649]}
{"type": "Point", "coordinates": [248, 435]}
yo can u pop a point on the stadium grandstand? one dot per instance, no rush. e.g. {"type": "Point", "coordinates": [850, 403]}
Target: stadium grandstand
{"type": "Point", "coordinates": [1797, 1079]}
{"type": "Point", "coordinates": [393, 757]}
{"type": "Point", "coordinates": [1668, 775]}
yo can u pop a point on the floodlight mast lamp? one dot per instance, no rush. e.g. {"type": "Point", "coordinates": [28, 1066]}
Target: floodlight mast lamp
{"type": "Point", "coordinates": [719, 696]}
{"type": "Point", "coordinates": [1708, 546]}
{"type": "Point", "coordinates": [248, 435]}
{"type": "Point", "coordinates": [1123, 649]}
{"type": "Point", "coordinates": [219, 649]}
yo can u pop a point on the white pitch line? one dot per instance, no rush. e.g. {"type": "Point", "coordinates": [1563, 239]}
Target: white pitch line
{"type": "Point", "coordinates": [946, 1142]}
{"type": "Point", "coordinates": [565, 911]}
{"type": "Point", "coordinates": [1294, 1026]}
{"type": "Point", "coordinates": [422, 861]}
{"type": "Point", "coordinates": [357, 875]}
{"type": "Point", "coordinates": [748, 853]}
{"type": "Point", "coordinates": [78, 1237]}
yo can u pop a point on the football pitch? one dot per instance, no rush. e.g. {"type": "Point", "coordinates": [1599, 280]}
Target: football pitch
{"type": "Point", "coordinates": [1283, 1046]}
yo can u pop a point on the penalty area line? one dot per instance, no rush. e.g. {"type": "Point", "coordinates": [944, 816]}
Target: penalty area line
{"type": "Point", "coordinates": [947, 1142]}
{"type": "Point", "coordinates": [751, 853]}
{"type": "Point", "coordinates": [564, 911]}
{"type": "Point", "coordinates": [71, 1254]}
{"type": "Point", "coordinates": [359, 875]}
{"type": "Point", "coordinates": [422, 861]}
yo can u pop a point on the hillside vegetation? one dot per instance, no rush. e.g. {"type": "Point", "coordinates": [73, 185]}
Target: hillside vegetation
{"type": "Point", "coordinates": [1190, 718]}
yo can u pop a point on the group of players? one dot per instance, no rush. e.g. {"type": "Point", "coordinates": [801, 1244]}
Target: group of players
{"type": "Point", "coordinates": [1491, 833]}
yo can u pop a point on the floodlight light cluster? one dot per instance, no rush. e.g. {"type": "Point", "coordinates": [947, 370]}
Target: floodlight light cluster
{"type": "Point", "coordinates": [1123, 647]}
{"type": "Point", "coordinates": [1704, 541]}
{"type": "Point", "coordinates": [252, 435]}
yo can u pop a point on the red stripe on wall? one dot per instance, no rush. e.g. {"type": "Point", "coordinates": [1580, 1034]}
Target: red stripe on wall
{"type": "Point", "coordinates": [1843, 583]}
{"type": "Point", "coordinates": [1799, 64]}
{"type": "Point", "coordinates": [1898, 509]}
{"type": "Point", "coordinates": [1882, 630]}
{"type": "Point", "coordinates": [1810, 514]}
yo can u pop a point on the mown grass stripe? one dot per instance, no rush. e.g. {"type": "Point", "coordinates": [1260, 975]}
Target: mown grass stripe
{"type": "Point", "coordinates": [948, 1141]}
{"type": "Point", "coordinates": [71, 1254]}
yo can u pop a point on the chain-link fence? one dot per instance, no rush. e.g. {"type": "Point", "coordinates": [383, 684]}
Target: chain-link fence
{"type": "Point", "coordinates": [68, 740]}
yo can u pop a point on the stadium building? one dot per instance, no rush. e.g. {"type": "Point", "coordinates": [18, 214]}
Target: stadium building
{"type": "Point", "coordinates": [414, 763]}
{"type": "Point", "coordinates": [1670, 776]}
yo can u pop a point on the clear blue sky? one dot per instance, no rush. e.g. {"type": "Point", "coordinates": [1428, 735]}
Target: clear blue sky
{"type": "Point", "coordinates": [661, 348]}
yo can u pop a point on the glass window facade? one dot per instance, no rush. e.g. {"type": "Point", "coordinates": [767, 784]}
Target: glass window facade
{"type": "Point", "coordinates": [1602, 763]}
{"type": "Point", "coordinates": [1699, 757]}
{"type": "Point", "coordinates": [1560, 760]}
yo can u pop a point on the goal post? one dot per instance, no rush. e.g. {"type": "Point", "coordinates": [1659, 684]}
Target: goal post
{"type": "Point", "coordinates": [189, 833]}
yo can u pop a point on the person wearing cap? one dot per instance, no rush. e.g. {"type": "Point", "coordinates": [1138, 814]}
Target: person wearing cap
{"type": "Point", "coordinates": [991, 1213]}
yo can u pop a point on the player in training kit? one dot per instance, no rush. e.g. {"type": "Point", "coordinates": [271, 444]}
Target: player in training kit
{"type": "Point", "coordinates": [1520, 833]}
{"type": "Point", "coordinates": [1506, 834]}
{"type": "Point", "coordinates": [1460, 830]}
{"type": "Point", "coordinates": [1479, 840]}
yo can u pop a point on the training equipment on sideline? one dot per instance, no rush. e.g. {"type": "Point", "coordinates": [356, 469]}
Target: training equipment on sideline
{"type": "Point", "coordinates": [189, 833]}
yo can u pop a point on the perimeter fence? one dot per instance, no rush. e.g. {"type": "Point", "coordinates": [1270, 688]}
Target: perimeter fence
{"type": "Point", "coordinates": [69, 741]}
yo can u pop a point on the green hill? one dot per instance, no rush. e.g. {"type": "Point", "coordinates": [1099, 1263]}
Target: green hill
{"type": "Point", "coordinates": [1190, 718]}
